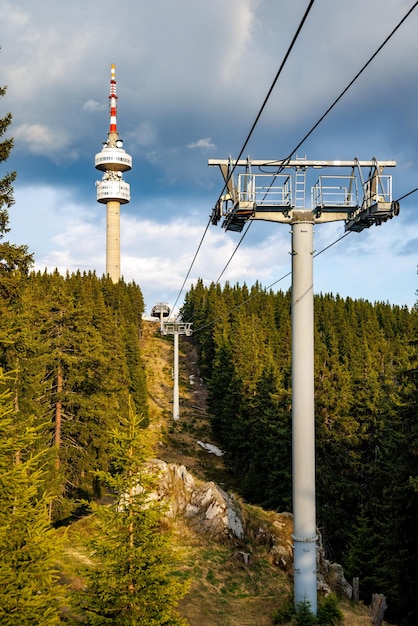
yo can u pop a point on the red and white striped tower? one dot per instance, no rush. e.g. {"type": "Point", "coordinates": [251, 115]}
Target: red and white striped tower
{"type": "Point", "coordinates": [113, 99]}
{"type": "Point", "coordinates": [112, 190]}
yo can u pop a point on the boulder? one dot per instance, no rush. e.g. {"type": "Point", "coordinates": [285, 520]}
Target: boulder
{"type": "Point", "coordinates": [331, 579]}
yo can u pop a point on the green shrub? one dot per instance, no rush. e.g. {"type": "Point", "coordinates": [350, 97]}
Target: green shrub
{"type": "Point", "coordinates": [304, 615]}
{"type": "Point", "coordinates": [328, 612]}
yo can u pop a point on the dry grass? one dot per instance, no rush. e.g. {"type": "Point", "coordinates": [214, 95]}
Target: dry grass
{"type": "Point", "coordinates": [356, 615]}
{"type": "Point", "coordinates": [224, 590]}
{"type": "Point", "coordinates": [176, 441]}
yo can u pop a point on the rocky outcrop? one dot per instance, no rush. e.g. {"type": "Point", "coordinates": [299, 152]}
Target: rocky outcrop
{"type": "Point", "coordinates": [206, 506]}
{"type": "Point", "coordinates": [331, 579]}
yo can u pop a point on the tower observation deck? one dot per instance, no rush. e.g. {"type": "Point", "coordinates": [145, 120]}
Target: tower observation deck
{"type": "Point", "coordinates": [112, 190]}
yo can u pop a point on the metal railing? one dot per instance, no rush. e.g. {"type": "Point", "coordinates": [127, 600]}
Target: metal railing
{"type": "Point", "coordinates": [335, 191]}
{"type": "Point", "coordinates": [265, 189]}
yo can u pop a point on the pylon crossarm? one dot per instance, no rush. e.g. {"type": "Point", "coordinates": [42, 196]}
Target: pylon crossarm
{"type": "Point", "coordinates": [277, 195]}
{"type": "Point", "coordinates": [177, 328]}
{"type": "Point", "coordinates": [299, 162]}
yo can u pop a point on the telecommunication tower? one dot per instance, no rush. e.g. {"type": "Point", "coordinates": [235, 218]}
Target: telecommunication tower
{"type": "Point", "coordinates": [359, 199]}
{"type": "Point", "coordinates": [112, 190]}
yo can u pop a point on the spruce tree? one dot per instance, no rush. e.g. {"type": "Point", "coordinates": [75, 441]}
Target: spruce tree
{"type": "Point", "coordinates": [15, 261]}
{"type": "Point", "coordinates": [6, 183]}
{"type": "Point", "coordinates": [132, 581]}
{"type": "Point", "coordinates": [268, 478]}
{"type": "Point", "coordinates": [29, 588]}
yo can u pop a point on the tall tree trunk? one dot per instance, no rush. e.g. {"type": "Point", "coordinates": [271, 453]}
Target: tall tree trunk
{"type": "Point", "coordinates": [16, 409]}
{"type": "Point", "coordinates": [58, 415]}
{"type": "Point", "coordinates": [131, 521]}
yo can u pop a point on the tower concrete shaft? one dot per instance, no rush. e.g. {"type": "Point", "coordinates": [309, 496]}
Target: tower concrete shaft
{"type": "Point", "coordinates": [113, 240]}
{"type": "Point", "coordinates": [112, 190]}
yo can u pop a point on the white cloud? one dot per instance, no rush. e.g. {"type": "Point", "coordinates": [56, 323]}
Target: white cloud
{"type": "Point", "coordinates": [68, 235]}
{"type": "Point", "coordinates": [41, 140]}
{"type": "Point", "coordinates": [144, 135]}
{"type": "Point", "coordinates": [205, 144]}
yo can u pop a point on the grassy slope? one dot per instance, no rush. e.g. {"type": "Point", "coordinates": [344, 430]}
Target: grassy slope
{"type": "Point", "coordinates": [224, 590]}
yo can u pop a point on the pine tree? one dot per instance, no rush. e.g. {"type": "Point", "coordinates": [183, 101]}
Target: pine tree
{"type": "Point", "coordinates": [133, 580]}
{"type": "Point", "coordinates": [366, 432]}
{"type": "Point", "coordinates": [29, 588]}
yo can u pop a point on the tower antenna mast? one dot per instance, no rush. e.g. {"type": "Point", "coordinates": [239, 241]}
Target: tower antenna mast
{"type": "Point", "coordinates": [112, 190]}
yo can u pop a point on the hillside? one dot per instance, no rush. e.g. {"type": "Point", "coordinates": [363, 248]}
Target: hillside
{"type": "Point", "coordinates": [225, 591]}
{"type": "Point", "coordinates": [177, 441]}
{"type": "Point", "coordinates": [233, 582]}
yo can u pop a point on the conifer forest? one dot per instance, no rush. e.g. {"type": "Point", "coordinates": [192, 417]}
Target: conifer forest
{"type": "Point", "coordinates": [74, 420]}
{"type": "Point", "coordinates": [366, 421]}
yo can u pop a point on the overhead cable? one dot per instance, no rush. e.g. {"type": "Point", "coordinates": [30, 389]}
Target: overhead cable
{"type": "Point", "coordinates": [332, 244]}
{"type": "Point", "coordinates": [232, 255]}
{"type": "Point", "coordinates": [266, 99]}
{"type": "Point", "coordinates": [271, 284]}
{"type": "Point", "coordinates": [289, 273]}
{"type": "Point", "coordinates": [191, 265]}
{"type": "Point", "coordinates": [414, 6]}
{"type": "Point", "coordinates": [352, 81]}
{"type": "Point", "coordinates": [407, 194]}
{"type": "Point", "coordinates": [288, 158]}
{"type": "Point", "coordinates": [296, 35]}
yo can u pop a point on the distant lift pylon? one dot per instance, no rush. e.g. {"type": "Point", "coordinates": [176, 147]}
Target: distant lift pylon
{"type": "Point", "coordinates": [279, 195]}
{"type": "Point", "coordinates": [176, 327]}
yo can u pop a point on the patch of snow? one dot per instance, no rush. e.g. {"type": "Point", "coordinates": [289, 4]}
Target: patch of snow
{"type": "Point", "coordinates": [211, 448]}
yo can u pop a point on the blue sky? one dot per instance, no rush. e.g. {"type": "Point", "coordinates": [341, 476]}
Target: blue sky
{"type": "Point", "coordinates": [191, 78]}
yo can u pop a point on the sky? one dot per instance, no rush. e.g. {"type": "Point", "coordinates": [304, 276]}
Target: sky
{"type": "Point", "coordinates": [192, 76]}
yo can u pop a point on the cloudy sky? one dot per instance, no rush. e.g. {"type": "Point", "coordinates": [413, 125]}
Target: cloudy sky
{"type": "Point", "coordinates": [191, 78]}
